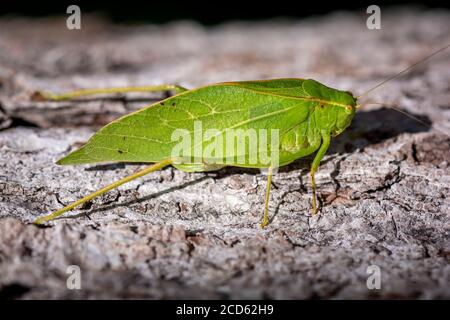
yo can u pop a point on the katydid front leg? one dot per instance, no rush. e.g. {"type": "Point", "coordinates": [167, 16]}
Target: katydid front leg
{"type": "Point", "coordinates": [326, 138]}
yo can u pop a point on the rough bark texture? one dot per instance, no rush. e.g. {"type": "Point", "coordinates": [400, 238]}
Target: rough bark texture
{"type": "Point", "coordinates": [384, 184]}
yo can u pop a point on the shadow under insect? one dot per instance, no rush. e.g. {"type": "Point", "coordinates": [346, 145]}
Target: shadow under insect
{"type": "Point", "coordinates": [376, 126]}
{"type": "Point", "coordinates": [142, 199]}
{"type": "Point", "coordinates": [368, 128]}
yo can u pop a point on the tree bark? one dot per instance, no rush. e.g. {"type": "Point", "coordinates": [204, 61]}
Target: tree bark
{"type": "Point", "coordinates": [383, 185]}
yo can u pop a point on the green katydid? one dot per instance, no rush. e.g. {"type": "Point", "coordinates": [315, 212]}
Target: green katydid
{"type": "Point", "coordinates": [306, 114]}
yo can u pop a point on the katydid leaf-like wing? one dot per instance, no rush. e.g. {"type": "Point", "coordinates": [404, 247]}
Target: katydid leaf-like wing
{"type": "Point", "coordinates": [147, 135]}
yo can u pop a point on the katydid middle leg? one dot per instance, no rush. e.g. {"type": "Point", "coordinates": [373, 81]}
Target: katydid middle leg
{"type": "Point", "coordinates": [265, 220]}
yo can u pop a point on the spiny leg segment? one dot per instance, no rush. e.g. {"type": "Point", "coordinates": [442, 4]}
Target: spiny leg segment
{"type": "Point", "coordinates": [88, 92]}
{"type": "Point", "coordinates": [154, 167]}
{"type": "Point", "coordinates": [326, 139]}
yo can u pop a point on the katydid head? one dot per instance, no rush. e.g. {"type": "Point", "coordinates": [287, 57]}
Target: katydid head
{"type": "Point", "coordinates": [344, 117]}
{"type": "Point", "coordinates": [344, 114]}
{"type": "Point", "coordinates": [334, 109]}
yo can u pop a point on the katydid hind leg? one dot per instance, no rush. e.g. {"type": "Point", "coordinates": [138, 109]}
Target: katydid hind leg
{"type": "Point", "coordinates": [326, 138]}
{"type": "Point", "coordinates": [43, 95]}
{"type": "Point", "coordinates": [152, 168]}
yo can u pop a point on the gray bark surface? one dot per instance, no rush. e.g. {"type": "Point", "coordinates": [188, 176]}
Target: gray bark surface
{"type": "Point", "coordinates": [383, 185]}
